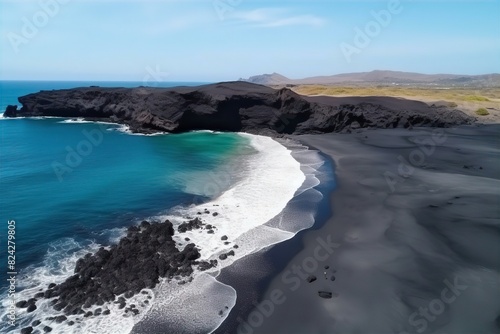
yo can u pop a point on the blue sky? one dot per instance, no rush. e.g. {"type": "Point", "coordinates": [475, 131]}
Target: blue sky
{"type": "Point", "coordinates": [215, 40]}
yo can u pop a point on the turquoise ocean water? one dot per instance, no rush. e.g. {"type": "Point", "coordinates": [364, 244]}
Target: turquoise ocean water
{"type": "Point", "coordinates": [62, 200]}
{"type": "Point", "coordinates": [72, 186]}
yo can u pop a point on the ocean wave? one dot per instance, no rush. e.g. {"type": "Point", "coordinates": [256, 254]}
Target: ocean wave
{"type": "Point", "coordinates": [74, 120]}
{"type": "Point", "coordinates": [273, 199]}
{"type": "Point", "coordinates": [273, 202]}
{"type": "Point", "coordinates": [114, 126]}
{"type": "Point", "coordinates": [81, 120]}
{"type": "Point", "coordinates": [2, 117]}
{"type": "Point", "coordinates": [126, 129]}
{"type": "Point", "coordinates": [58, 264]}
{"type": "Point", "coordinates": [272, 176]}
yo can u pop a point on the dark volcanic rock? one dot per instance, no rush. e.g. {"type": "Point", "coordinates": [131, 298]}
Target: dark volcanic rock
{"type": "Point", "coordinates": [190, 225]}
{"type": "Point", "coordinates": [138, 261]}
{"type": "Point", "coordinates": [311, 278]}
{"type": "Point", "coordinates": [232, 106]}
{"type": "Point", "coordinates": [60, 319]}
{"type": "Point", "coordinates": [22, 304]}
{"type": "Point", "coordinates": [10, 111]}
{"type": "Point", "coordinates": [31, 308]}
{"type": "Point", "coordinates": [204, 265]}
{"type": "Point", "coordinates": [325, 294]}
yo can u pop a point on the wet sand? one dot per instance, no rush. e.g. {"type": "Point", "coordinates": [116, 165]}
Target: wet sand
{"type": "Point", "coordinates": [413, 243]}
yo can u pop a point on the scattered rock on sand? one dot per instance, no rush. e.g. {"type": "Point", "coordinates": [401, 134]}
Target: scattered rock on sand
{"type": "Point", "coordinates": [311, 278]}
{"type": "Point", "coordinates": [204, 265]}
{"type": "Point", "coordinates": [22, 304]}
{"type": "Point", "coordinates": [190, 225]}
{"type": "Point", "coordinates": [147, 253]}
{"type": "Point", "coordinates": [325, 294]}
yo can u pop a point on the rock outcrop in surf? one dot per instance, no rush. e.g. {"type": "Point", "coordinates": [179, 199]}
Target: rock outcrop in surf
{"type": "Point", "coordinates": [232, 106]}
{"type": "Point", "coordinates": [139, 261]}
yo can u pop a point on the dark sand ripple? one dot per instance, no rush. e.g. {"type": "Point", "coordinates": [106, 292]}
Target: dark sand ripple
{"type": "Point", "coordinates": [413, 245]}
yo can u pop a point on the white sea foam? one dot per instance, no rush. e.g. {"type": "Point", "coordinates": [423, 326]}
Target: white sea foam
{"type": "Point", "coordinates": [58, 264]}
{"type": "Point", "coordinates": [253, 214]}
{"type": "Point", "coordinates": [126, 129]}
{"type": "Point", "coordinates": [116, 126]}
{"type": "Point", "coordinates": [271, 180]}
{"type": "Point", "coordinates": [81, 120]}
{"type": "Point", "coordinates": [198, 307]}
{"type": "Point", "coordinates": [75, 121]}
{"type": "Point", "coordinates": [42, 117]}
{"type": "Point", "coordinates": [2, 117]}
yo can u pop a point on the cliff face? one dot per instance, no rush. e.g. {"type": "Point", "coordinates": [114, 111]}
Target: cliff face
{"type": "Point", "coordinates": [231, 106]}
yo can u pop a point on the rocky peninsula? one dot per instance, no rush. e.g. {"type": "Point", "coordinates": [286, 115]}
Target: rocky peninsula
{"type": "Point", "coordinates": [233, 106]}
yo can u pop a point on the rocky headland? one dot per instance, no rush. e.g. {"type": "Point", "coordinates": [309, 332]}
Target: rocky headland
{"type": "Point", "coordinates": [148, 253]}
{"type": "Point", "coordinates": [233, 106]}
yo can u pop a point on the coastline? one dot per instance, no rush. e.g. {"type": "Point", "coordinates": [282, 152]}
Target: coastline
{"type": "Point", "coordinates": [371, 153]}
{"type": "Point", "coordinates": [251, 276]}
{"type": "Point", "coordinates": [235, 107]}
{"type": "Point", "coordinates": [206, 279]}
{"type": "Point", "coordinates": [375, 155]}
{"type": "Point", "coordinates": [419, 234]}
{"type": "Point", "coordinates": [245, 275]}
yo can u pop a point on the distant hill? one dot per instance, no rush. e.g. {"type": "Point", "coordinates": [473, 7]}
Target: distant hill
{"type": "Point", "coordinates": [268, 79]}
{"type": "Point", "coordinates": [383, 78]}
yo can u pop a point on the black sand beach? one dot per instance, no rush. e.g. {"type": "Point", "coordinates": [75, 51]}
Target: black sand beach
{"type": "Point", "coordinates": [409, 241]}
{"type": "Point", "coordinates": [413, 244]}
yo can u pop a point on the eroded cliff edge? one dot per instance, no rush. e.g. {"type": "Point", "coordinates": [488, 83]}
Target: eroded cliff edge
{"type": "Point", "coordinates": [233, 106]}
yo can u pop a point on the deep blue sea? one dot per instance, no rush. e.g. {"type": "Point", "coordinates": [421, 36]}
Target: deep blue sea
{"type": "Point", "coordinates": [72, 186]}
{"type": "Point", "coordinates": [122, 178]}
